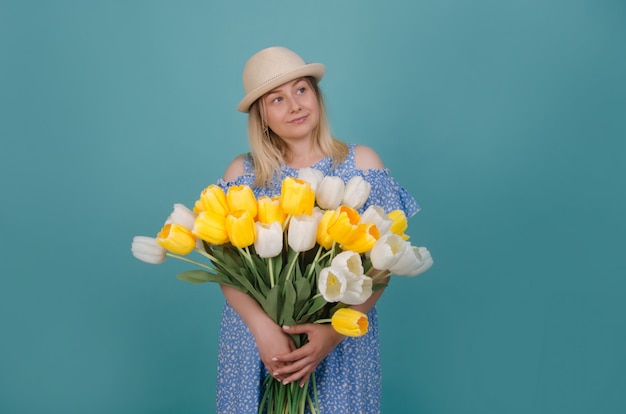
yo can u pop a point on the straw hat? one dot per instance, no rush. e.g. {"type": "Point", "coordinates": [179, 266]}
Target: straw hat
{"type": "Point", "coordinates": [269, 69]}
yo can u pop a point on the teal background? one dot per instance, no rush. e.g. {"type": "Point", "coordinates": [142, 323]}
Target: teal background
{"type": "Point", "coordinates": [506, 120]}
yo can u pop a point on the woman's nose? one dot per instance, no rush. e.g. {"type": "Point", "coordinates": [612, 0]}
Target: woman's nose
{"type": "Point", "coordinates": [294, 104]}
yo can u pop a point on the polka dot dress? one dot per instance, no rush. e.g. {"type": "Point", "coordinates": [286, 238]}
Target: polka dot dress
{"type": "Point", "coordinates": [349, 379]}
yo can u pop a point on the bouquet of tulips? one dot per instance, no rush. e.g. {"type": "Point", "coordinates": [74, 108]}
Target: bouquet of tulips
{"type": "Point", "coordinates": [304, 256]}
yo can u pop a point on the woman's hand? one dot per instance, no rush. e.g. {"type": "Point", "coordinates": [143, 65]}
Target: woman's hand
{"type": "Point", "coordinates": [300, 363]}
{"type": "Point", "coordinates": [271, 340]}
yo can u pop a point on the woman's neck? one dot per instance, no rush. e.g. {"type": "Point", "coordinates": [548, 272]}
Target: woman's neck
{"type": "Point", "coordinates": [303, 155]}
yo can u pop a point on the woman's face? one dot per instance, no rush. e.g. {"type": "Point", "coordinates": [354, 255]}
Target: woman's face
{"type": "Point", "coordinates": [292, 110]}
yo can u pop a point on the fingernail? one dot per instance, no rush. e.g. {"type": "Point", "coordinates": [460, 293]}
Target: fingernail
{"type": "Point", "coordinates": [275, 374]}
{"type": "Point", "coordinates": [274, 359]}
{"type": "Point", "coordinates": [286, 327]}
{"type": "Point", "coordinates": [285, 382]}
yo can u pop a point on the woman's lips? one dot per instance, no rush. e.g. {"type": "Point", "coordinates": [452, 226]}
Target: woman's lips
{"type": "Point", "coordinates": [298, 120]}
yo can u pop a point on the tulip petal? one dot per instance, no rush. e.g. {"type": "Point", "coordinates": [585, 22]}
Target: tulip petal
{"type": "Point", "coordinates": [182, 215]}
{"type": "Point", "coordinates": [311, 175]}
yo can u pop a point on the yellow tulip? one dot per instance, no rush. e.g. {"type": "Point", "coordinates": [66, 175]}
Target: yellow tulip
{"type": "Point", "coordinates": [211, 227]}
{"type": "Point", "coordinates": [240, 228]}
{"type": "Point", "coordinates": [176, 238]}
{"type": "Point", "coordinates": [399, 223]}
{"type": "Point", "coordinates": [345, 224]}
{"type": "Point", "coordinates": [269, 211]}
{"type": "Point", "coordinates": [297, 197]}
{"type": "Point", "coordinates": [212, 199]}
{"type": "Point", "coordinates": [241, 197]}
{"type": "Point", "coordinates": [363, 238]}
{"type": "Point", "coordinates": [324, 239]}
{"type": "Point", "coordinates": [350, 322]}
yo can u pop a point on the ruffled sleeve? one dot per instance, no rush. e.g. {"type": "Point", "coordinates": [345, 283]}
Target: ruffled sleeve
{"type": "Point", "coordinates": [386, 192]}
{"type": "Point", "coordinates": [245, 179]}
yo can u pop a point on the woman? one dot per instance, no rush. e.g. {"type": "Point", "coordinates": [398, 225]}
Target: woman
{"type": "Point", "coordinates": [288, 130]}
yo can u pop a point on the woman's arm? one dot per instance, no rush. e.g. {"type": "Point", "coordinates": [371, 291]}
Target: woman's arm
{"type": "Point", "coordinates": [366, 158]}
{"type": "Point", "coordinates": [269, 337]}
{"type": "Point", "coordinates": [234, 170]}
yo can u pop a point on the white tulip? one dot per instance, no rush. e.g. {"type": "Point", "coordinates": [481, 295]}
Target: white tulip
{"type": "Point", "coordinates": [330, 192]}
{"type": "Point", "coordinates": [358, 290]}
{"type": "Point", "coordinates": [182, 215]}
{"type": "Point", "coordinates": [318, 213]}
{"type": "Point", "coordinates": [414, 261]}
{"type": "Point", "coordinates": [147, 250]}
{"type": "Point", "coordinates": [376, 215]}
{"type": "Point", "coordinates": [302, 232]}
{"type": "Point", "coordinates": [349, 261]}
{"type": "Point", "coordinates": [332, 283]}
{"type": "Point", "coordinates": [387, 251]}
{"type": "Point", "coordinates": [311, 175]}
{"type": "Point", "coordinates": [357, 192]}
{"type": "Point", "coordinates": [269, 239]}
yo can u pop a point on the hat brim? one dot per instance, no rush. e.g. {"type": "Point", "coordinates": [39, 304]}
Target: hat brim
{"type": "Point", "coordinates": [311, 69]}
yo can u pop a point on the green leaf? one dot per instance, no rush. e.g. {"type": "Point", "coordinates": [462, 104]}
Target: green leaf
{"type": "Point", "coordinates": [271, 304]}
{"type": "Point", "coordinates": [278, 264]}
{"type": "Point", "coordinates": [316, 305]}
{"type": "Point", "coordinates": [289, 301]}
{"type": "Point", "coordinates": [201, 276]}
{"type": "Point", "coordinates": [303, 292]}
{"type": "Point", "coordinates": [378, 286]}
{"type": "Point", "coordinates": [262, 286]}
{"type": "Point", "coordinates": [229, 256]}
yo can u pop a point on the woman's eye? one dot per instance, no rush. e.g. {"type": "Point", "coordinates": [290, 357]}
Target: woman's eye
{"type": "Point", "coordinates": [277, 99]}
{"type": "Point", "coordinates": [301, 90]}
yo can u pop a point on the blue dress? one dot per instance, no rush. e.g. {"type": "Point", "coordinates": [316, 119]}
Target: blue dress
{"type": "Point", "coordinates": [349, 378]}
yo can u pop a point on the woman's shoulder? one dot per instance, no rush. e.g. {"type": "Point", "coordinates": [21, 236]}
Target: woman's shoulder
{"type": "Point", "coordinates": [365, 158]}
{"type": "Point", "coordinates": [235, 169]}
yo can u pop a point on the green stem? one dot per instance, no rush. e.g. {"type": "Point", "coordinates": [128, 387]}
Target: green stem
{"type": "Point", "coordinates": [292, 264]}
{"type": "Point", "coordinates": [316, 260]}
{"type": "Point", "coordinates": [380, 276]}
{"type": "Point", "coordinates": [245, 252]}
{"type": "Point", "coordinates": [329, 252]}
{"type": "Point", "coordinates": [209, 256]}
{"type": "Point", "coordinates": [323, 321]}
{"type": "Point", "coordinates": [271, 266]}
{"type": "Point", "coordinates": [185, 259]}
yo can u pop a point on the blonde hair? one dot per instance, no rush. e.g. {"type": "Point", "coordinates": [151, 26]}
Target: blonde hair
{"type": "Point", "coordinates": [269, 150]}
